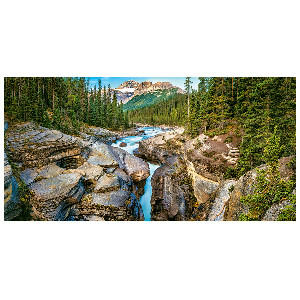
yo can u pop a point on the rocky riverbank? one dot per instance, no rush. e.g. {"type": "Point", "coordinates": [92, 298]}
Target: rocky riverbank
{"type": "Point", "coordinates": [69, 178]}
{"type": "Point", "coordinates": [97, 134]}
{"type": "Point", "coordinates": [49, 175]}
{"type": "Point", "coordinates": [190, 184]}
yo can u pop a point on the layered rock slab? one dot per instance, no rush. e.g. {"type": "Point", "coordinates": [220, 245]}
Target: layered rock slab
{"type": "Point", "coordinates": [54, 196]}
{"type": "Point", "coordinates": [35, 146]}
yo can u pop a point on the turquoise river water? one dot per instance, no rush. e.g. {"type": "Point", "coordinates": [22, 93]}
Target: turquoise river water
{"type": "Point", "coordinates": [132, 144]}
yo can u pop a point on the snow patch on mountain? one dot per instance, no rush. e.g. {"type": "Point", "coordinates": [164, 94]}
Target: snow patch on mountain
{"type": "Point", "coordinates": [126, 90]}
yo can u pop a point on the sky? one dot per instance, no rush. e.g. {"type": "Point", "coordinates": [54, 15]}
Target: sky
{"type": "Point", "coordinates": [116, 81]}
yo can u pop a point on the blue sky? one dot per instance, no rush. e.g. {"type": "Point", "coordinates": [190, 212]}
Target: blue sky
{"type": "Point", "coordinates": [116, 81]}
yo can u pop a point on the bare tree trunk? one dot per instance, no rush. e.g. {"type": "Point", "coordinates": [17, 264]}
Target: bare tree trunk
{"type": "Point", "coordinates": [53, 95]}
{"type": "Point", "coordinates": [88, 107]}
{"type": "Point", "coordinates": [19, 99]}
{"type": "Point", "coordinates": [188, 102]}
{"type": "Point", "coordinates": [232, 89]}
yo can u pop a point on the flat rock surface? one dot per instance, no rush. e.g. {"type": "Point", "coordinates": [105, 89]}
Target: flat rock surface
{"type": "Point", "coordinates": [36, 146]}
{"type": "Point", "coordinates": [114, 198]}
{"type": "Point", "coordinates": [48, 171]}
{"type": "Point", "coordinates": [107, 182]}
{"type": "Point", "coordinates": [55, 187]}
{"type": "Point", "coordinates": [91, 172]}
{"type": "Point", "coordinates": [29, 175]}
{"type": "Point", "coordinates": [100, 155]}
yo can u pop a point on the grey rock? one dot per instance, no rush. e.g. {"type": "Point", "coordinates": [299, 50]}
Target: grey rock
{"type": "Point", "coordinates": [274, 211]}
{"type": "Point", "coordinates": [48, 171]}
{"type": "Point", "coordinates": [91, 172]}
{"type": "Point", "coordinates": [12, 202]}
{"type": "Point", "coordinates": [35, 146]}
{"type": "Point", "coordinates": [55, 194]}
{"type": "Point", "coordinates": [113, 198]}
{"type": "Point", "coordinates": [29, 175]}
{"type": "Point", "coordinates": [124, 179]}
{"type": "Point", "coordinates": [203, 187]}
{"type": "Point", "coordinates": [168, 196]}
{"type": "Point", "coordinates": [106, 183]}
{"type": "Point", "coordinates": [135, 167]}
{"type": "Point", "coordinates": [220, 200]}
{"type": "Point", "coordinates": [94, 218]}
{"type": "Point", "coordinates": [100, 155]}
{"type": "Point", "coordinates": [7, 175]}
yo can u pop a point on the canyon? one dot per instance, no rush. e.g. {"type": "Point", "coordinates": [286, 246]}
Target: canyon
{"type": "Point", "coordinates": [146, 173]}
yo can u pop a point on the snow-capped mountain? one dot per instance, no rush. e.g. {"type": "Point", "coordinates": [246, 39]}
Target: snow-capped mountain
{"type": "Point", "coordinates": [128, 89]}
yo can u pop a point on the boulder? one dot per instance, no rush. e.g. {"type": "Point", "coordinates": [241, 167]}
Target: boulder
{"type": "Point", "coordinates": [100, 155]}
{"type": "Point", "coordinates": [123, 144]}
{"type": "Point", "coordinates": [55, 196]}
{"type": "Point", "coordinates": [153, 148]}
{"type": "Point", "coordinates": [135, 167]}
{"type": "Point", "coordinates": [124, 179]}
{"type": "Point", "coordinates": [245, 186]}
{"type": "Point", "coordinates": [169, 199]}
{"type": "Point", "coordinates": [116, 198]}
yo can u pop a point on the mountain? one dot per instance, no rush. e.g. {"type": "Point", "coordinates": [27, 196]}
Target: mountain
{"type": "Point", "coordinates": [130, 89]}
{"type": "Point", "coordinates": [150, 98]}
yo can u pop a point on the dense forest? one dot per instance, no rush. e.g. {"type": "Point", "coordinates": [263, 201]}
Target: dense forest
{"type": "Point", "coordinates": [64, 103]}
{"type": "Point", "coordinates": [149, 99]}
{"type": "Point", "coordinates": [254, 107]}
{"type": "Point", "coordinates": [170, 111]}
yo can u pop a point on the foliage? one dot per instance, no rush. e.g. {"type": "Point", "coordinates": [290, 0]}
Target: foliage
{"type": "Point", "coordinates": [289, 212]}
{"type": "Point", "coordinates": [68, 100]}
{"type": "Point", "coordinates": [170, 111]}
{"type": "Point", "coordinates": [230, 173]}
{"type": "Point", "coordinates": [269, 188]}
{"type": "Point", "coordinates": [148, 99]}
{"type": "Point", "coordinates": [255, 104]}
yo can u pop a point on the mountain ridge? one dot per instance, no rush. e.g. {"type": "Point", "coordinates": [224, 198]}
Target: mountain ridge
{"type": "Point", "coordinates": [130, 88]}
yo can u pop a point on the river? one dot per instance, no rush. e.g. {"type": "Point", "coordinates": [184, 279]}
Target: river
{"type": "Point", "coordinates": [132, 144]}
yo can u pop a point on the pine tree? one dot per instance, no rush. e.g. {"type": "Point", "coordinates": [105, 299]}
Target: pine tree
{"type": "Point", "coordinates": [187, 85]}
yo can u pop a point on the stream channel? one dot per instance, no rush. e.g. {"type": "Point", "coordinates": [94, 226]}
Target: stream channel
{"type": "Point", "coordinates": [132, 144]}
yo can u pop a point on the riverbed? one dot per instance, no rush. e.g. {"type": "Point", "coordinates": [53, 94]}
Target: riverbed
{"type": "Point", "coordinates": [132, 144]}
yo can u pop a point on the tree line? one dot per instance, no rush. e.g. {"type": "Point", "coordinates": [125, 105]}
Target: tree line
{"type": "Point", "coordinates": [64, 103]}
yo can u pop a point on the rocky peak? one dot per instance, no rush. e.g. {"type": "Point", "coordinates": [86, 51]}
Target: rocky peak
{"type": "Point", "coordinates": [128, 84]}
{"type": "Point", "coordinates": [130, 88]}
